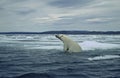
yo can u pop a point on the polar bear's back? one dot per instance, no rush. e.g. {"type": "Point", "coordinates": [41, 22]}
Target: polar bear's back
{"type": "Point", "coordinates": [71, 45]}
{"type": "Point", "coordinates": [74, 47]}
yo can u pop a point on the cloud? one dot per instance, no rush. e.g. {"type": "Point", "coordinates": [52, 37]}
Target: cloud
{"type": "Point", "coordinates": [69, 3]}
{"type": "Point", "coordinates": [44, 19]}
{"type": "Point", "coordinates": [35, 15]}
{"type": "Point", "coordinates": [98, 20]}
{"type": "Point", "coordinates": [51, 18]}
{"type": "Point", "coordinates": [24, 11]}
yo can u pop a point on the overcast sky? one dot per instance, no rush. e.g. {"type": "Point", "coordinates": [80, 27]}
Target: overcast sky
{"type": "Point", "coordinates": [47, 15]}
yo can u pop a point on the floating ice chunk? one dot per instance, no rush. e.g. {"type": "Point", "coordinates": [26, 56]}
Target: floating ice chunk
{"type": "Point", "coordinates": [104, 57]}
{"type": "Point", "coordinates": [92, 45]}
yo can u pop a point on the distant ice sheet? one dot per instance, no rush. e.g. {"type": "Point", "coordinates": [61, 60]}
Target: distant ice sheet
{"type": "Point", "coordinates": [87, 42]}
{"type": "Point", "coordinates": [92, 45]}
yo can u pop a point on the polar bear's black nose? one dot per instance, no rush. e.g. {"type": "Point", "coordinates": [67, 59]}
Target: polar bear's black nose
{"type": "Point", "coordinates": [57, 36]}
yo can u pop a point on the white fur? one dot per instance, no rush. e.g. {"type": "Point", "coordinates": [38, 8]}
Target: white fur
{"type": "Point", "coordinates": [69, 45]}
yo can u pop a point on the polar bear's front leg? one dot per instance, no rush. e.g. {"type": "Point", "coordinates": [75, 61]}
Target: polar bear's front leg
{"type": "Point", "coordinates": [66, 48]}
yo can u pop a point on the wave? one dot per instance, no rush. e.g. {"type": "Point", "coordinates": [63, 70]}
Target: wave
{"type": "Point", "coordinates": [49, 75]}
{"type": "Point", "coordinates": [104, 57]}
{"type": "Point", "coordinates": [33, 75]}
{"type": "Point", "coordinates": [46, 47]}
{"type": "Point", "coordinates": [36, 75]}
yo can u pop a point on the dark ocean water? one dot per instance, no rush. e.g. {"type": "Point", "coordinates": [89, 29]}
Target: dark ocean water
{"type": "Point", "coordinates": [42, 56]}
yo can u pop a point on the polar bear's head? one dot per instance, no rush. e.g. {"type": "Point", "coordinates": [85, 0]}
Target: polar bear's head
{"type": "Point", "coordinates": [59, 36]}
{"type": "Point", "coordinates": [62, 37]}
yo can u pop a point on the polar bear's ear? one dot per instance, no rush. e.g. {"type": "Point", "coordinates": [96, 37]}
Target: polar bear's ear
{"type": "Point", "coordinates": [60, 35]}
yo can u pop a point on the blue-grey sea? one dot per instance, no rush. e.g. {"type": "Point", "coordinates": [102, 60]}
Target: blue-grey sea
{"type": "Point", "coordinates": [42, 56]}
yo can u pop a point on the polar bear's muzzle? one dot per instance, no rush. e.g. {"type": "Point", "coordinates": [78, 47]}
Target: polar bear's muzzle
{"type": "Point", "coordinates": [59, 37]}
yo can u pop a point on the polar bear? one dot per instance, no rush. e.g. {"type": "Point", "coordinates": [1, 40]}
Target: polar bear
{"type": "Point", "coordinates": [69, 44]}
